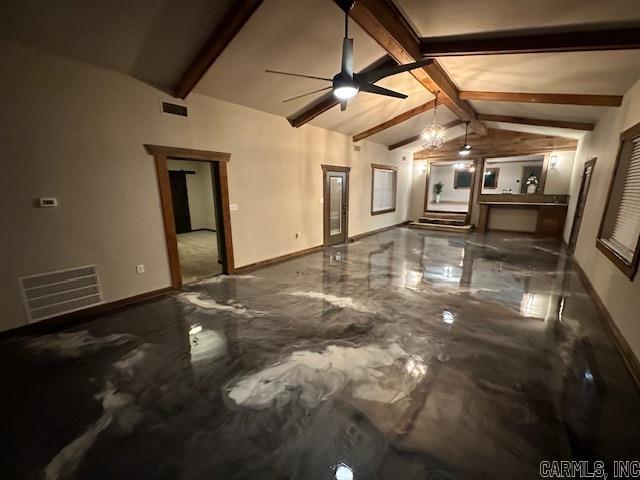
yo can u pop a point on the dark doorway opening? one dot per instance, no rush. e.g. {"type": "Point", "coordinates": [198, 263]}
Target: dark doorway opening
{"type": "Point", "coordinates": [180, 201]}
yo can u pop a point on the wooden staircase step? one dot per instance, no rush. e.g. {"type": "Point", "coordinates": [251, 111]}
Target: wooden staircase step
{"type": "Point", "coordinates": [445, 215]}
{"type": "Point", "coordinates": [442, 228]}
{"type": "Point", "coordinates": [442, 221]}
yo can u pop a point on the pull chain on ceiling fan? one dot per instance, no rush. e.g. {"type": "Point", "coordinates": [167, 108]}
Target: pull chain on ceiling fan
{"type": "Point", "coordinates": [346, 84]}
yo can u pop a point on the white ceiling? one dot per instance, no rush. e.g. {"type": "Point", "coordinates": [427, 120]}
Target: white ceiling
{"type": "Point", "coordinates": [432, 18]}
{"type": "Point", "coordinates": [601, 73]}
{"type": "Point", "coordinates": [276, 38]}
{"type": "Point", "coordinates": [152, 40]}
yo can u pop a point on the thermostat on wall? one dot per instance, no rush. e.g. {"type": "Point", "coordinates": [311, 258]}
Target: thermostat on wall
{"type": "Point", "coordinates": [48, 202]}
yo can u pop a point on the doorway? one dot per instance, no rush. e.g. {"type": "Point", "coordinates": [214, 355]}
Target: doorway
{"type": "Point", "coordinates": [585, 183]}
{"type": "Point", "coordinates": [335, 203]}
{"type": "Point", "coordinates": [194, 214]}
{"type": "Point", "coordinates": [195, 205]}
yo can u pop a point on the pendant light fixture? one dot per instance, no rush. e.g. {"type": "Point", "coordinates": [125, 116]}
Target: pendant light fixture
{"type": "Point", "coordinates": [466, 148]}
{"type": "Point", "coordinates": [432, 137]}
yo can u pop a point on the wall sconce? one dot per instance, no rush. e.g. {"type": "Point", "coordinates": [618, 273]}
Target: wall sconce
{"type": "Point", "coordinates": [553, 161]}
{"type": "Point", "coordinates": [423, 168]}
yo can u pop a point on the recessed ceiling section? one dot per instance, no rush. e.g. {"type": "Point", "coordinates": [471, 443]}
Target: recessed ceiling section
{"type": "Point", "coordinates": [152, 41]}
{"type": "Point", "coordinates": [462, 17]}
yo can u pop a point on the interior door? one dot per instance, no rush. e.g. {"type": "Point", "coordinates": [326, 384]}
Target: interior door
{"type": "Point", "coordinates": [336, 190]}
{"type": "Point", "coordinates": [582, 200]}
{"type": "Point", "coordinates": [180, 201]}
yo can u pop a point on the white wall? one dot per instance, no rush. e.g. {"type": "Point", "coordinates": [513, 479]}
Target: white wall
{"type": "Point", "coordinates": [620, 295]}
{"type": "Point", "coordinates": [446, 175]}
{"type": "Point", "coordinates": [199, 192]}
{"type": "Point", "coordinates": [418, 186]}
{"type": "Point", "coordinates": [76, 132]}
{"type": "Point", "coordinates": [510, 175]}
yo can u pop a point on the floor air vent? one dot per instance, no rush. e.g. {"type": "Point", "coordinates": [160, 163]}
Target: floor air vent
{"type": "Point", "coordinates": [54, 293]}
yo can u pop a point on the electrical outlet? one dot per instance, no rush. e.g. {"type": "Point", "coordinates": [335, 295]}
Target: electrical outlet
{"type": "Point", "coordinates": [140, 269]}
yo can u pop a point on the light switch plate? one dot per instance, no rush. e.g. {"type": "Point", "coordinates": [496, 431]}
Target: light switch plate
{"type": "Point", "coordinates": [233, 207]}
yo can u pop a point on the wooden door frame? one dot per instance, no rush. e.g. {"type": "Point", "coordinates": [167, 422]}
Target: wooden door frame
{"type": "Point", "coordinates": [575, 227]}
{"type": "Point", "coordinates": [325, 197]}
{"type": "Point", "coordinates": [218, 161]}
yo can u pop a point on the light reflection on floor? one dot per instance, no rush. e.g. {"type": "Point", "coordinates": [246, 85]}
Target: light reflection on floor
{"type": "Point", "coordinates": [407, 354]}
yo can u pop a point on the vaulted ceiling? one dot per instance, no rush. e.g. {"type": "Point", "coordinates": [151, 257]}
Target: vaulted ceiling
{"type": "Point", "coordinates": [157, 40]}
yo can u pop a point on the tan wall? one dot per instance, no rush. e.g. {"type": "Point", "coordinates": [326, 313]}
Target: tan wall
{"type": "Point", "coordinates": [199, 191]}
{"type": "Point", "coordinates": [418, 186]}
{"type": "Point", "coordinates": [76, 132]}
{"type": "Point", "coordinates": [620, 295]}
{"type": "Point", "coordinates": [559, 178]}
{"type": "Point", "coordinates": [513, 219]}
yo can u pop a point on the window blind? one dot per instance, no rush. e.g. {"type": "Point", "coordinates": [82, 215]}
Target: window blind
{"type": "Point", "coordinates": [383, 191]}
{"type": "Point", "coordinates": [626, 230]}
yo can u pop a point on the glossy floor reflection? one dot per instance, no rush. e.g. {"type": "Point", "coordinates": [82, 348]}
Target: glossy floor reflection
{"type": "Point", "coordinates": [405, 355]}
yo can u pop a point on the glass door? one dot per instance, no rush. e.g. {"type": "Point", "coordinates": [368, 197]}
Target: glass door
{"type": "Point", "coordinates": [335, 206]}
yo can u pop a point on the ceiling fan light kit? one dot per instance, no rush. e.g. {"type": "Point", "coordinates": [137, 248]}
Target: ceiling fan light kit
{"type": "Point", "coordinates": [346, 84]}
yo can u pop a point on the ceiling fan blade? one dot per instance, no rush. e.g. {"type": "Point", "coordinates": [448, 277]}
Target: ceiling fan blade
{"type": "Point", "coordinates": [343, 105]}
{"type": "Point", "coordinates": [375, 75]}
{"type": "Point", "coordinates": [299, 75]}
{"type": "Point", "coordinates": [347, 57]}
{"type": "Point", "coordinates": [308, 93]}
{"type": "Point", "coordinates": [381, 91]}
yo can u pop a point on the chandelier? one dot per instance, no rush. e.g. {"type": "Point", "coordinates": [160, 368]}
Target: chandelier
{"type": "Point", "coordinates": [432, 136]}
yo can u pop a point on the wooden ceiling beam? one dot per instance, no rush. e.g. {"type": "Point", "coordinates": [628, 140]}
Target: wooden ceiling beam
{"type": "Point", "coordinates": [555, 98]}
{"type": "Point", "coordinates": [328, 100]}
{"type": "Point", "coordinates": [541, 42]}
{"type": "Point", "coordinates": [228, 28]}
{"type": "Point", "coordinates": [536, 121]}
{"type": "Point", "coordinates": [386, 25]}
{"type": "Point", "coordinates": [415, 138]}
{"type": "Point", "coordinates": [500, 143]}
{"type": "Point", "coordinates": [425, 107]}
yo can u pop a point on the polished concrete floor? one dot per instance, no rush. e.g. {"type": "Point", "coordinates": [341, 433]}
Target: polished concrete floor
{"type": "Point", "coordinates": [198, 252]}
{"type": "Point", "coordinates": [404, 355]}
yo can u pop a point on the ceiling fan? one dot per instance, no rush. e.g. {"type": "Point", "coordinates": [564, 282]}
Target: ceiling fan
{"type": "Point", "coordinates": [346, 84]}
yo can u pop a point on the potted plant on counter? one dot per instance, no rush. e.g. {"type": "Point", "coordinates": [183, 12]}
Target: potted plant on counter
{"type": "Point", "coordinates": [437, 190]}
{"type": "Point", "coordinates": [532, 183]}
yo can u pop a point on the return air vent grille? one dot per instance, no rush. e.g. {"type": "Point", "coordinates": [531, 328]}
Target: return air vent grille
{"type": "Point", "coordinates": [174, 109]}
{"type": "Point", "coordinates": [50, 294]}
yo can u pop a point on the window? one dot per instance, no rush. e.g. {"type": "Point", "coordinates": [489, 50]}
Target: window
{"type": "Point", "coordinates": [383, 189]}
{"type": "Point", "coordinates": [462, 179]}
{"type": "Point", "coordinates": [491, 177]}
{"type": "Point", "coordinates": [620, 227]}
